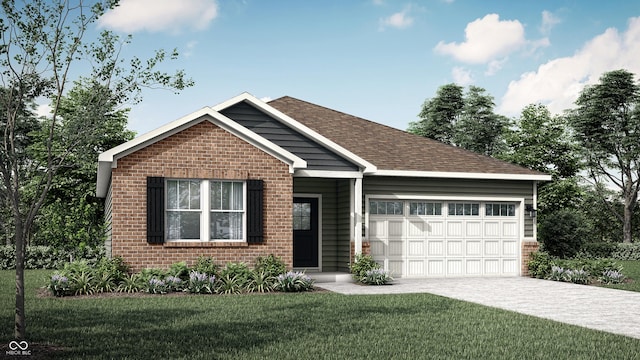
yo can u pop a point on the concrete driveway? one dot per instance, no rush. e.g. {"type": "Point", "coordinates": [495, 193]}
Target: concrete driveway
{"type": "Point", "coordinates": [614, 311]}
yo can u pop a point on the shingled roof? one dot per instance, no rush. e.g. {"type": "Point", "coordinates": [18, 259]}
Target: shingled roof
{"type": "Point", "coordinates": [392, 149]}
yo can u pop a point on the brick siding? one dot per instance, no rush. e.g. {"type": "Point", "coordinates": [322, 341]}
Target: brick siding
{"type": "Point", "coordinates": [528, 247]}
{"type": "Point", "coordinates": [202, 151]}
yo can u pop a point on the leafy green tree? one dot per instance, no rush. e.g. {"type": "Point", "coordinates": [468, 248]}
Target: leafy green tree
{"type": "Point", "coordinates": [439, 115]}
{"type": "Point", "coordinates": [607, 126]}
{"type": "Point", "coordinates": [541, 142]}
{"type": "Point", "coordinates": [42, 43]}
{"type": "Point", "coordinates": [90, 117]}
{"type": "Point", "coordinates": [480, 129]}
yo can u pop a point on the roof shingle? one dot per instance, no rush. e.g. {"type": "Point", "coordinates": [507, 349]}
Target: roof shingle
{"type": "Point", "coordinates": [389, 148]}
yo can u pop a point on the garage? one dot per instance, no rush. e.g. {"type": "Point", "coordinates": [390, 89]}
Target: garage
{"type": "Point", "coordinates": [445, 238]}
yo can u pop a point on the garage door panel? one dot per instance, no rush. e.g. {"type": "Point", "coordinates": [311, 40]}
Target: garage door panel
{"type": "Point", "coordinates": [417, 229]}
{"type": "Point", "coordinates": [416, 248]}
{"type": "Point", "coordinates": [395, 267]}
{"type": "Point", "coordinates": [436, 248]}
{"type": "Point", "coordinates": [473, 229]}
{"type": "Point", "coordinates": [474, 248]}
{"type": "Point", "coordinates": [473, 266]}
{"type": "Point", "coordinates": [455, 267]}
{"type": "Point", "coordinates": [435, 228]}
{"type": "Point", "coordinates": [509, 248]}
{"type": "Point", "coordinates": [492, 247]}
{"type": "Point", "coordinates": [491, 266]}
{"type": "Point", "coordinates": [416, 268]}
{"type": "Point", "coordinates": [454, 248]}
{"type": "Point", "coordinates": [435, 267]}
{"type": "Point", "coordinates": [396, 248]}
{"type": "Point", "coordinates": [491, 228]}
{"type": "Point", "coordinates": [509, 266]}
{"type": "Point", "coordinates": [454, 229]}
{"type": "Point", "coordinates": [395, 228]}
{"type": "Point", "coordinates": [377, 249]}
{"type": "Point", "coordinates": [377, 229]}
{"type": "Point", "coordinates": [510, 229]}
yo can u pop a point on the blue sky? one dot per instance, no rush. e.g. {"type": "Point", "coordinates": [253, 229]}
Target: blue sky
{"type": "Point", "coordinates": [378, 59]}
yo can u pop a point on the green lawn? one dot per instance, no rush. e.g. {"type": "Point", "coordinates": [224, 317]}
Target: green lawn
{"type": "Point", "coordinates": [295, 326]}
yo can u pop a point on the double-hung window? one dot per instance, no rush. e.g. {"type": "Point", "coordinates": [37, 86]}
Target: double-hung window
{"type": "Point", "coordinates": [206, 210]}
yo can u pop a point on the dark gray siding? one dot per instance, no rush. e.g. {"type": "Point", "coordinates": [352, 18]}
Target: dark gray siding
{"type": "Point", "coordinates": [335, 219]}
{"type": "Point", "coordinates": [317, 156]}
{"type": "Point", "coordinates": [374, 185]}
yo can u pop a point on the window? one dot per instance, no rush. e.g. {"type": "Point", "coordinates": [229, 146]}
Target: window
{"type": "Point", "coordinates": [379, 207]}
{"type": "Point", "coordinates": [224, 200]}
{"type": "Point", "coordinates": [301, 216]}
{"type": "Point", "coordinates": [425, 208]}
{"type": "Point", "coordinates": [500, 209]}
{"type": "Point", "coordinates": [464, 209]}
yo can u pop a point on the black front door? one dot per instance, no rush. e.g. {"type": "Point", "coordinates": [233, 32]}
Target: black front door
{"type": "Point", "coordinates": [305, 232]}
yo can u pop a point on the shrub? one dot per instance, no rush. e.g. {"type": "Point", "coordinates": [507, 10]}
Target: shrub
{"type": "Point", "coordinates": [59, 285]}
{"type": "Point", "coordinates": [148, 273]}
{"type": "Point", "coordinates": [539, 265]}
{"type": "Point", "coordinates": [579, 276]}
{"type": "Point", "coordinates": [261, 281]}
{"type": "Point", "coordinates": [130, 284]}
{"type": "Point", "coordinates": [376, 277]}
{"type": "Point", "coordinates": [599, 250]}
{"type": "Point", "coordinates": [360, 266]}
{"type": "Point", "coordinates": [611, 277]}
{"type": "Point", "coordinates": [557, 274]}
{"type": "Point", "coordinates": [294, 282]}
{"type": "Point", "coordinates": [82, 282]}
{"type": "Point", "coordinates": [627, 252]}
{"type": "Point", "coordinates": [156, 286]}
{"type": "Point", "coordinates": [563, 233]}
{"type": "Point", "coordinates": [271, 265]}
{"type": "Point", "coordinates": [206, 265]}
{"type": "Point", "coordinates": [239, 272]}
{"type": "Point", "coordinates": [174, 283]}
{"type": "Point", "coordinates": [201, 283]}
{"type": "Point", "coordinates": [180, 270]}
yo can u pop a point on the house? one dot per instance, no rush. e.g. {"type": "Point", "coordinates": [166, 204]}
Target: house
{"type": "Point", "coordinates": [314, 186]}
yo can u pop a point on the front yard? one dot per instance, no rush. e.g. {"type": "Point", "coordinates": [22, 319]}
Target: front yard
{"type": "Point", "coordinates": [292, 326]}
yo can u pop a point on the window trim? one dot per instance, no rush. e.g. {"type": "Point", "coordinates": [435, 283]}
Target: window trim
{"type": "Point", "coordinates": [205, 211]}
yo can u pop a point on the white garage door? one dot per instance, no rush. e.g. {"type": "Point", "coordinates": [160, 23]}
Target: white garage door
{"type": "Point", "coordinates": [445, 238]}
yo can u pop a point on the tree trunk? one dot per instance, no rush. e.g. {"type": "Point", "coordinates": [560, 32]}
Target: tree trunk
{"type": "Point", "coordinates": [20, 329]}
{"type": "Point", "coordinates": [627, 229]}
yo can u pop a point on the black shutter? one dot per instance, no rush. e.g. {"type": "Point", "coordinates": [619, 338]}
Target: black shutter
{"type": "Point", "coordinates": [155, 210]}
{"type": "Point", "coordinates": [255, 211]}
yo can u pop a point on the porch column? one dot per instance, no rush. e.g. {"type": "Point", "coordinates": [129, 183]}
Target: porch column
{"type": "Point", "coordinates": [356, 215]}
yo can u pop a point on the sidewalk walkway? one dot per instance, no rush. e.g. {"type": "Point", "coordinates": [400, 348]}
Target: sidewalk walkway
{"type": "Point", "coordinates": [615, 311]}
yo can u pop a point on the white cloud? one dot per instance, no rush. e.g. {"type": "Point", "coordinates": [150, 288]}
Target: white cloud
{"type": "Point", "coordinates": [266, 98]}
{"type": "Point", "coordinates": [461, 76]}
{"type": "Point", "coordinates": [399, 20]}
{"type": "Point", "coordinates": [43, 110]}
{"type": "Point", "coordinates": [549, 20]}
{"type": "Point", "coordinates": [558, 82]}
{"type": "Point", "coordinates": [189, 48]}
{"type": "Point", "coordinates": [486, 39]}
{"type": "Point", "coordinates": [495, 66]}
{"type": "Point", "coordinates": [160, 15]}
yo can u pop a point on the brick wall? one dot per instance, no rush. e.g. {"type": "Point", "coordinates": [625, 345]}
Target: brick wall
{"type": "Point", "coordinates": [202, 151]}
{"type": "Point", "coordinates": [528, 247]}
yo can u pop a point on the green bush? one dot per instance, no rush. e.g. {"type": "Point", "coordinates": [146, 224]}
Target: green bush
{"type": "Point", "coordinates": [180, 270]}
{"type": "Point", "coordinates": [206, 265]}
{"type": "Point", "coordinates": [294, 281]}
{"type": "Point", "coordinates": [563, 233]}
{"type": "Point", "coordinates": [360, 266]}
{"type": "Point", "coordinates": [627, 252]}
{"type": "Point", "coordinates": [598, 250]}
{"type": "Point", "coordinates": [540, 265]}
{"type": "Point", "coordinates": [271, 265]}
{"type": "Point", "coordinates": [47, 257]}
{"type": "Point", "coordinates": [238, 272]}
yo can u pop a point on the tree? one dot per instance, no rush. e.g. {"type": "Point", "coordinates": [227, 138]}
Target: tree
{"type": "Point", "coordinates": [480, 129]}
{"type": "Point", "coordinates": [607, 126]}
{"type": "Point", "coordinates": [71, 215]}
{"type": "Point", "coordinates": [44, 42]}
{"type": "Point", "coordinates": [540, 141]}
{"type": "Point", "coordinates": [439, 115]}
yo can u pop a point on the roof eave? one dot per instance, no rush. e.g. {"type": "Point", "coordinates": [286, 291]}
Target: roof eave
{"type": "Point", "coordinates": [462, 175]}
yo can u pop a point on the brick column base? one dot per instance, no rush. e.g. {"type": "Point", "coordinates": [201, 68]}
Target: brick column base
{"type": "Point", "coordinates": [528, 247]}
{"type": "Point", "coordinates": [366, 249]}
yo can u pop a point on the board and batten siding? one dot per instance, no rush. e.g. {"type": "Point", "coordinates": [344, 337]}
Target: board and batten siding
{"type": "Point", "coordinates": [108, 216]}
{"type": "Point", "coordinates": [317, 156]}
{"type": "Point", "coordinates": [374, 185]}
{"type": "Point", "coordinates": [335, 219]}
